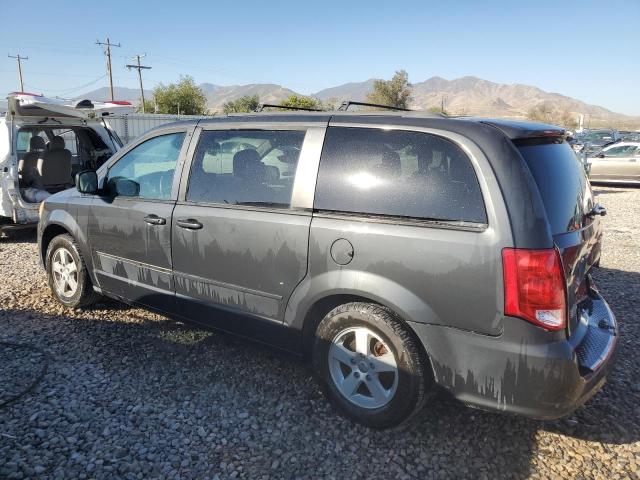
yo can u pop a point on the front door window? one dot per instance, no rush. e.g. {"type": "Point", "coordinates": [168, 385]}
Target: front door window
{"type": "Point", "coordinates": [147, 171]}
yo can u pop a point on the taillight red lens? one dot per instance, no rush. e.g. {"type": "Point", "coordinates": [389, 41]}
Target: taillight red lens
{"type": "Point", "coordinates": [534, 287]}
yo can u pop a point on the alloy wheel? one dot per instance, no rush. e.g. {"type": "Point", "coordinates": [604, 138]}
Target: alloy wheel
{"type": "Point", "coordinates": [65, 273]}
{"type": "Point", "coordinates": [363, 367]}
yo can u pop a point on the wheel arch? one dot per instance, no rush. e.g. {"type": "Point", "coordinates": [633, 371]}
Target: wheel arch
{"type": "Point", "coordinates": [318, 310]}
{"type": "Point", "coordinates": [60, 222]}
{"type": "Point", "coordinates": [322, 306]}
{"type": "Point", "coordinates": [50, 232]}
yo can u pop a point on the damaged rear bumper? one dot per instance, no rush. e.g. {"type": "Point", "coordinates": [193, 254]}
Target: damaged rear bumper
{"type": "Point", "coordinates": [526, 370]}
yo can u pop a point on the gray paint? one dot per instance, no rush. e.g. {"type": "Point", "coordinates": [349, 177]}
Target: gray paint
{"type": "Point", "coordinates": [248, 259]}
{"type": "Point", "coordinates": [259, 272]}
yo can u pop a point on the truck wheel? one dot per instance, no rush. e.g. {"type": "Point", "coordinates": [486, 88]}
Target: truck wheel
{"type": "Point", "coordinates": [67, 273]}
{"type": "Point", "coordinates": [370, 365]}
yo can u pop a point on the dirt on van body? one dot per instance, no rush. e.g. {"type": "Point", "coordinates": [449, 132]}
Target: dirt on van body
{"type": "Point", "coordinates": [131, 394]}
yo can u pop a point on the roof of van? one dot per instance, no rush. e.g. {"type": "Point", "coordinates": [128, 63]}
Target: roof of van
{"type": "Point", "coordinates": [513, 129]}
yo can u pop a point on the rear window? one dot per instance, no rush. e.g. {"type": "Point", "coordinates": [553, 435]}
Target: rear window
{"type": "Point", "coordinates": [561, 181]}
{"type": "Point", "coordinates": [397, 173]}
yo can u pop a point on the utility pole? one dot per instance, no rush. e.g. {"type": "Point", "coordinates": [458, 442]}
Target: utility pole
{"type": "Point", "coordinates": [108, 44]}
{"type": "Point", "coordinates": [140, 68]}
{"type": "Point", "coordinates": [19, 59]}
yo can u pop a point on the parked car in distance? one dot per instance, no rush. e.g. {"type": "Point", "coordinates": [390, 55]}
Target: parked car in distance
{"type": "Point", "coordinates": [630, 136]}
{"type": "Point", "coordinates": [617, 163]}
{"type": "Point", "coordinates": [44, 142]}
{"type": "Point", "coordinates": [400, 252]}
{"type": "Point", "coordinates": [591, 142]}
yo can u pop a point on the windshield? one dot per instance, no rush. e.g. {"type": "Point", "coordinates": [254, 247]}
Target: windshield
{"type": "Point", "coordinates": [599, 138]}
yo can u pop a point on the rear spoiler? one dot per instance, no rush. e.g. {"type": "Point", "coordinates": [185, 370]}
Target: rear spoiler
{"type": "Point", "coordinates": [518, 130]}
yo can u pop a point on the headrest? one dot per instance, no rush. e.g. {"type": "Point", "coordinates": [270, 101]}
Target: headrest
{"type": "Point", "coordinates": [36, 143]}
{"type": "Point", "coordinates": [247, 164]}
{"type": "Point", "coordinates": [391, 160]}
{"type": "Point", "coordinates": [212, 148]}
{"type": "Point", "coordinates": [390, 164]}
{"type": "Point", "coordinates": [56, 143]}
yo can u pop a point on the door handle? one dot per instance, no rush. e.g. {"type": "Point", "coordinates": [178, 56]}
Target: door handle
{"type": "Point", "coordinates": [155, 220]}
{"type": "Point", "coordinates": [189, 224]}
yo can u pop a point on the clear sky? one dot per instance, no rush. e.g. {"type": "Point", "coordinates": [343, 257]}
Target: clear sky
{"type": "Point", "coordinates": [585, 49]}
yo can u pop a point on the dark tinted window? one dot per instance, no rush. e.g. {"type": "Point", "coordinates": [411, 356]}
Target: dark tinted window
{"type": "Point", "coordinates": [245, 167]}
{"type": "Point", "coordinates": [561, 181]}
{"type": "Point", "coordinates": [399, 173]}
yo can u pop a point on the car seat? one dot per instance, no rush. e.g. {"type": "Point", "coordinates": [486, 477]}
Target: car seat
{"type": "Point", "coordinates": [55, 165]}
{"type": "Point", "coordinates": [28, 165]}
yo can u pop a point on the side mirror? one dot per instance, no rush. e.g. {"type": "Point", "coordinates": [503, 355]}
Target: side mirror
{"type": "Point", "coordinates": [124, 187]}
{"type": "Point", "coordinates": [87, 182]}
{"type": "Point", "coordinates": [601, 155]}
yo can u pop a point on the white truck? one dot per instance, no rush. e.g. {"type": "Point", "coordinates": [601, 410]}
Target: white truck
{"type": "Point", "coordinates": [44, 143]}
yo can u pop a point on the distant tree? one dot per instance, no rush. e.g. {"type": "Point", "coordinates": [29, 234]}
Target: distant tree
{"type": "Point", "coordinates": [332, 103]}
{"type": "Point", "coordinates": [184, 97]}
{"type": "Point", "coordinates": [395, 92]}
{"type": "Point", "coordinates": [302, 102]}
{"type": "Point", "coordinates": [437, 110]}
{"type": "Point", "coordinates": [149, 106]}
{"type": "Point", "coordinates": [547, 114]}
{"type": "Point", "coordinates": [541, 113]}
{"type": "Point", "coordinates": [245, 104]}
{"type": "Point", "coordinates": [568, 119]}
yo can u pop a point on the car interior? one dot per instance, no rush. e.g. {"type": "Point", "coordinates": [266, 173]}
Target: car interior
{"type": "Point", "coordinates": [50, 157]}
{"type": "Point", "coordinates": [243, 170]}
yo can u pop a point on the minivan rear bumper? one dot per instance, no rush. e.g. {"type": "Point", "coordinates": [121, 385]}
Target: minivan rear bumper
{"type": "Point", "coordinates": [526, 370]}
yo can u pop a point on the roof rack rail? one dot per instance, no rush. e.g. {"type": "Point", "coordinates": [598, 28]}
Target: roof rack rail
{"type": "Point", "coordinates": [286, 107]}
{"type": "Point", "coordinates": [347, 103]}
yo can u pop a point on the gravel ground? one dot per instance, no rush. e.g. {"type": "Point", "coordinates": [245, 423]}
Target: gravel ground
{"type": "Point", "coordinates": [130, 394]}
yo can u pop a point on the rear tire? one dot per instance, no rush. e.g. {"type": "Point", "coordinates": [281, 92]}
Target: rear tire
{"type": "Point", "coordinates": [370, 366]}
{"type": "Point", "coordinates": [67, 273]}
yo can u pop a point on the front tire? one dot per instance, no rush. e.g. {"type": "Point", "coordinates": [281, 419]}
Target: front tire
{"type": "Point", "coordinates": [370, 365]}
{"type": "Point", "coordinates": [67, 273]}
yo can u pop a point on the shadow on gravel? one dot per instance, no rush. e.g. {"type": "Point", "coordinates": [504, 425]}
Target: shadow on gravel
{"type": "Point", "coordinates": [608, 189]}
{"type": "Point", "coordinates": [611, 416]}
{"type": "Point", "coordinates": [172, 362]}
{"type": "Point", "coordinates": [18, 235]}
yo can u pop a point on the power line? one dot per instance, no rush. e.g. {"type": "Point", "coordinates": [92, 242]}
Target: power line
{"type": "Point", "coordinates": [67, 90]}
{"type": "Point", "coordinates": [140, 68]}
{"type": "Point", "coordinates": [108, 44]}
{"type": "Point", "coordinates": [19, 59]}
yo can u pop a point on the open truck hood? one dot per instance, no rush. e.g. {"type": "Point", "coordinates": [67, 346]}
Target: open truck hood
{"type": "Point", "coordinates": [27, 105]}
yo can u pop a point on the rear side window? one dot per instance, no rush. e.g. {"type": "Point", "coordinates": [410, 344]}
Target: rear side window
{"type": "Point", "coordinates": [397, 173]}
{"type": "Point", "coordinates": [245, 167]}
{"type": "Point", "coordinates": [561, 181]}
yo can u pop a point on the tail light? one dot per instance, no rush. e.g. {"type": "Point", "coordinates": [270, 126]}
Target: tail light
{"type": "Point", "coordinates": [534, 287]}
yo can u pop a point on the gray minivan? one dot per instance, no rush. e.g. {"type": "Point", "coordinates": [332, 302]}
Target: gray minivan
{"type": "Point", "coordinates": [400, 252]}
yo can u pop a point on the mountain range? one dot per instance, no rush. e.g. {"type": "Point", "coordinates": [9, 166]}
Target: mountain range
{"type": "Point", "coordinates": [461, 96]}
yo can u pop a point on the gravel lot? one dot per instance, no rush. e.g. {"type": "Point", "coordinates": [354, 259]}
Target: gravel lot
{"type": "Point", "coordinates": [130, 394]}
